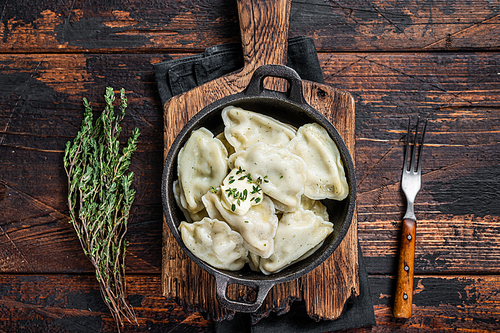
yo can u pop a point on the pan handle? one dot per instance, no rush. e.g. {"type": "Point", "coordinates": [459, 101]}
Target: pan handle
{"type": "Point", "coordinates": [256, 85]}
{"type": "Point", "coordinates": [223, 282]}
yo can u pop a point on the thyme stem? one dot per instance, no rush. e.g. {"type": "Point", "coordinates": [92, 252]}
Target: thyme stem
{"type": "Point", "coordinates": [100, 198]}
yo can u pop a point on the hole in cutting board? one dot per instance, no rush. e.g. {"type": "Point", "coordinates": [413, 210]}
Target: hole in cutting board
{"type": "Point", "coordinates": [276, 83]}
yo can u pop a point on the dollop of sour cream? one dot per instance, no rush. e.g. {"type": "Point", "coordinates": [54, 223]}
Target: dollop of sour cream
{"type": "Point", "coordinates": [240, 192]}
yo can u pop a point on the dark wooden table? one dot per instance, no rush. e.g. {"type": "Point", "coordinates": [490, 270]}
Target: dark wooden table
{"type": "Point", "coordinates": [438, 59]}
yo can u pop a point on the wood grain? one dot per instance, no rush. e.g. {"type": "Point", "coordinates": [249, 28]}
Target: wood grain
{"type": "Point", "coordinates": [155, 26]}
{"type": "Point", "coordinates": [71, 303]}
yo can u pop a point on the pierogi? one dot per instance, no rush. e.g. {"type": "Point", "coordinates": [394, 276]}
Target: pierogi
{"type": "Point", "coordinates": [298, 233]}
{"type": "Point", "coordinates": [325, 173]}
{"type": "Point", "coordinates": [283, 173]}
{"type": "Point", "coordinates": [201, 164]}
{"type": "Point", "coordinates": [244, 128]}
{"type": "Point", "coordinates": [251, 194]}
{"type": "Point", "coordinates": [215, 243]}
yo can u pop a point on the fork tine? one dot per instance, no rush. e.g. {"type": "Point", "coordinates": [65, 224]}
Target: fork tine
{"type": "Point", "coordinates": [419, 164]}
{"type": "Point", "coordinates": [405, 164]}
{"type": "Point", "coordinates": [414, 148]}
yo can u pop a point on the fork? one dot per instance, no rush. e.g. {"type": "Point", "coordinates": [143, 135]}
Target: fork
{"type": "Point", "coordinates": [410, 182]}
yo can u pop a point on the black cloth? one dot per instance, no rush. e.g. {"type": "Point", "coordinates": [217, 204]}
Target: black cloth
{"type": "Point", "coordinates": [177, 76]}
{"type": "Point", "coordinates": [174, 77]}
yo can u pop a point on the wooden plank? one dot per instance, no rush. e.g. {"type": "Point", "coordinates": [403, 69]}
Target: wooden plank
{"type": "Point", "coordinates": [138, 25]}
{"type": "Point", "coordinates": [53, 303]}
{"type": "Point", "coordinates": [73, 303]}
{"type": "Point", "coordinates": [40, 111]}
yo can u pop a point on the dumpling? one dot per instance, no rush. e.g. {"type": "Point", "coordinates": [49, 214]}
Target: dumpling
{"type": "Point", "coordinates": [215, 243]}
{"type": "Point", "coordinates": [315, 206]}
{"type": "Point", "coordinates": [282, 174]}
{"type": "Point", "coordinates": [229, 148]}
{"type": "Point", "coordinates": [253, 261]}
{"type": "Point", "coordinates": [244, 128]}
{"type": "Point", "coordinates": [298, 233]}
{"type": "Point", "coordinates": [178, 196]}
{"type": "Point", "coordinates": [325, 172]}
{"type": "Point", "coordinates": [257, 226]}
{"type": "Point", "coordinates": [202, 164]}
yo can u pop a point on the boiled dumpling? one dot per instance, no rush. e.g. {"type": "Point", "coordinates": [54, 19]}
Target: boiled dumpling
{"type": "Point", "coordinates": [215, 243]}
{"type": "Point", "coordinates": [253, 261]}
{"type": "Point", "coordinates": [282, 174]}
{"type": "Point", "coordinates": [202, 164]}
{"type": "Point", "coordinates": [178, 196]}
{"type": "Point", "coordinates": [325, 172]}
{"type": "Point", "coordinates": [298, 233]}
{"type": "Point", "coordinates": [229, 148]}
{"type": "Point", "coordinates": [244, 128]}
{"type": "Point", "coordinates": [257, 226]}
{"type": "Point", "coordinates": [315, 206]}
{"type": "Point", "coordinates": [209, 201]}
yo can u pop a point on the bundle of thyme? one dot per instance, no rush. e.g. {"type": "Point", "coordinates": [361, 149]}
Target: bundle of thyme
{"type": "Point", "coordinates": [100, 197]}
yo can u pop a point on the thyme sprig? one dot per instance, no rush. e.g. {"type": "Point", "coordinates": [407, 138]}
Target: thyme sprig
{"type": "Point", "coordinates": [100, 198]}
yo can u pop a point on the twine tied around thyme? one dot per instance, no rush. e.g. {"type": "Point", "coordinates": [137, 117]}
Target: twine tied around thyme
{"type": "Point", "coordinates": [100, 198]}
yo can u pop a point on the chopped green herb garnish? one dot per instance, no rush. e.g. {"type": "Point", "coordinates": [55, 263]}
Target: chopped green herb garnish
{"type": "Point", "coordinates": [255, 189]}
{"type": "Point", "coordinates": [233, 207]}
{"type": "Point", "coordinates": [247, 176]}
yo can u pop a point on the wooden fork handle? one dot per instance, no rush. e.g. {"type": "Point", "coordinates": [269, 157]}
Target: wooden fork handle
{"type": "Point", "coordinates": [404, 286]}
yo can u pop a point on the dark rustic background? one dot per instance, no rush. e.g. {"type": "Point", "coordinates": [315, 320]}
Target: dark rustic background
{"type": "Point", "coordinates": [437, 59]}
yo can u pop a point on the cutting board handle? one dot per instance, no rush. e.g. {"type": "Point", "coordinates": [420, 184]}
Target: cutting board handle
{"type": "Point", "coordinates": [264, 32]}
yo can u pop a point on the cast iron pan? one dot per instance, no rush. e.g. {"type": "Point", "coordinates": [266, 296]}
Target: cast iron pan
{"type": "Point", "coordinates": [288, 107]}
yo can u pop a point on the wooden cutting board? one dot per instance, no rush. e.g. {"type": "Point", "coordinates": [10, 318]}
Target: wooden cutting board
{"type": "Point", "coordinates": [325, 290]}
